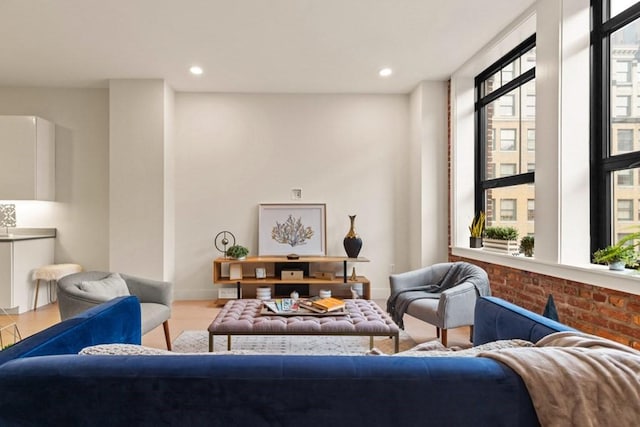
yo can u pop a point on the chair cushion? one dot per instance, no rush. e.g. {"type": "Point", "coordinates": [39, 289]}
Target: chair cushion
{"type": "Point", "coordinates": [111, 286]}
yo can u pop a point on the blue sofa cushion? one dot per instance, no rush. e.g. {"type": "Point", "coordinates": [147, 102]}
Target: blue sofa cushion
{"type": "Point", "coordinates": [117, 320]}
{"type": "Point", "coordinates": [497, 319]}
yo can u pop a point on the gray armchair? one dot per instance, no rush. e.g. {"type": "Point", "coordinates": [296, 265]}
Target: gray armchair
{"type": "Point", "coordinates": [81, 291]}
{"type": "Point", "coordinates": [443, 295]}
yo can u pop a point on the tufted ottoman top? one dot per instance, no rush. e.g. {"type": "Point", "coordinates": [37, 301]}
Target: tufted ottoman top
{"type": "Point", "coordinates": [243, 316]}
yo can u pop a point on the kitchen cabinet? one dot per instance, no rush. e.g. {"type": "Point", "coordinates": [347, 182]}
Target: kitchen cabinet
{"type": "Point", "coordinates": [27, 158]}
{"type": "Point", "coordinates": [19, 256]}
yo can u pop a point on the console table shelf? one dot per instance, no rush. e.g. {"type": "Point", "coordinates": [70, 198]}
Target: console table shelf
{"type": "Point", "coordinates": [272, 280]}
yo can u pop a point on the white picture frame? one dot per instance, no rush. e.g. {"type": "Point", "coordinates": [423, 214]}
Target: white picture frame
{"type": "Point", "coordinates": [261, 273]}
{"type": "Point", "coordinates": [292, 228]}
{"type": "Point", "coordinates": [235, 271]}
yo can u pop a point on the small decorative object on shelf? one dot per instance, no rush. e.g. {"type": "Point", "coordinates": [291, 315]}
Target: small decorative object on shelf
{"type": "Point", "coordinates": [353, 277]}
{"type": "Point", "coordinates": [221, 241]}
{"type": "Point", "coordinates": [237, 252]}
{"type": "Point", "coordinates": [352, 242]}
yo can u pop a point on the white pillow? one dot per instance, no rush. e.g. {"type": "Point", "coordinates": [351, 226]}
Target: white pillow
{"type": "Point", "coordinates": [122, 350]}
{"type": "Point", "coordinates": [110, 287]}
{"type": "Point", "coordinates": [140, 350]}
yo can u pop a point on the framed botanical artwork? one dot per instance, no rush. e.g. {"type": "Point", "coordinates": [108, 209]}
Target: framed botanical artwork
{"type": "Point", "coordinates": [292, 228]}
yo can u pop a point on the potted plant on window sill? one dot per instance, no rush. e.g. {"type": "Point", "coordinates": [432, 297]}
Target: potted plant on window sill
{"type": "Point", "coordinates": [526, 245]}
{"type": "Point", "coordinates": [476, 229]}
{"type": "Point", "coordinates": [620, 255]}
{"type": "Point", "coordinates": [501, 239]}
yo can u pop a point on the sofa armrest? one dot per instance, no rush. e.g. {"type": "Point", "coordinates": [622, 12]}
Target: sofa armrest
{"type": "Point", "coordinates": [497, 319]}
{"type": "Point", "coordinates": [457, 305]}
{"type": "Point", "coordinates": [148, 290]}
{"type": "Point", "coordinates": [116, 321]}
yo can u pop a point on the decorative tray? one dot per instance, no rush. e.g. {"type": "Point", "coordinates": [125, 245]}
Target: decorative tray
{"type": "Point", "coordinates": [302, 312]}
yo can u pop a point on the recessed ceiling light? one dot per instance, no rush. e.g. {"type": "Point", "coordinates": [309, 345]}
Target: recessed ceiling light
{"type": "Point", "coordinates": [385, 72]}
{"type": "Point", "coordinates": [196, 70]}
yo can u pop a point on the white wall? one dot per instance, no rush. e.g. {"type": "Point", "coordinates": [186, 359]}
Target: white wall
{"type": "Point", "coordinates": [81, 210]}
{"type": "Point", "coordinates": [137, 181]}
{"type": "Point", "coordinates": [428, 205]}
{"type": "Point", "coordinates": [169, 186]}
{"type": "Point", "coordinates": [234, 152]}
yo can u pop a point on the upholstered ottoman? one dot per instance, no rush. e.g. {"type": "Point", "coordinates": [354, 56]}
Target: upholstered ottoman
{"type": "Point", "coordinates": [243, 317]}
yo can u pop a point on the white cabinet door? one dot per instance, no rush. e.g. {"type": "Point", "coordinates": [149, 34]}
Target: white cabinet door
{"type": "Point", "coordinates": [27, 256]}
{"type": "Point", "coordinates": [18, 259]}
{"type": "Point", "coordinates": [27, 158]}
{"type": "Point", "coordinates": [6, 276]}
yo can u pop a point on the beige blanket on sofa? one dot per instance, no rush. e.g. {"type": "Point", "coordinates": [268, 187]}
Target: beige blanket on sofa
{"type": "Point", "coordinates": [576, 379]}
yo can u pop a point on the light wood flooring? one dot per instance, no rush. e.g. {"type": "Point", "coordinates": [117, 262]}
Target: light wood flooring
{"type": "Point", "coordinates": [193, 315]}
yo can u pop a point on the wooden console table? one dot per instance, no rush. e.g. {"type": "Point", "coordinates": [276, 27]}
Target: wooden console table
{"type": "Point", "coordinates": [274, 280]}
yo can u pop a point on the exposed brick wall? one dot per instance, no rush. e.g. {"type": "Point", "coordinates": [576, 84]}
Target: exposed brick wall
{"type": "Point", "coordinates": [592, 309]}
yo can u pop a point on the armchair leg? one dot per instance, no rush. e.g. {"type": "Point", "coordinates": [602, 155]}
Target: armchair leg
{"type": "Point", "coordinates": [471, 333]}
{"type": "Point", "coordinates": [167, 336]}
{"type": "Point", "coordinates": [444, 337]}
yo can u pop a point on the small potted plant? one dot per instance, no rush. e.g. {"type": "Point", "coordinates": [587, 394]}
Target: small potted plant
{"type": "Point", "coordinates": [621, 254]}
{"type": "Point", "coordinates": [237, 252]}
{"type": "Point", "coordinates": [476, 229]}
{"type": "Point", "coordinates": [501, 239]}
{"type": "Point", "coordinates": [617, 257]}
{"type": "Point", "coordinates": [526, 245]}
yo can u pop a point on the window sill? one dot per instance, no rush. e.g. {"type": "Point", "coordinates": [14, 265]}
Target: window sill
{"type": "Point", "coordinates": [597, 275]}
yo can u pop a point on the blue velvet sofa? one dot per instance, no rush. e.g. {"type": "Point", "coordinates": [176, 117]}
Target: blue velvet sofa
{"type": "Point", "coordinates": [44, 382]}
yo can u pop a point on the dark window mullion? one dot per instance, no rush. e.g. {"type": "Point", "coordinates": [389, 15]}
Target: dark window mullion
{"type": "Point", "coordinates": [622, 19]}
{"type": "Point", "coordinates": [513, 84]}
{"type": "Point", "coordinates": [507, 181]}
{"type": "Point", "coordinates": [511, 56]}
{"type": "Point", "coordinates": [621, 161]}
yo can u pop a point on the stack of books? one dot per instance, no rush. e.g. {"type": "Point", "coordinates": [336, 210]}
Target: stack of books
{"type": "Point", "coordinates": [283, 305]}
{"type": "Point", "coordinates": [322, 305]}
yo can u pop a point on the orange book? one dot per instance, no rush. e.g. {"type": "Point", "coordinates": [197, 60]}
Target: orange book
{"type": "Point", "coordinates": [329, 304]}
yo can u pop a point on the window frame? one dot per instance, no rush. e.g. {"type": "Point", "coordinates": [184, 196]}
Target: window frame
{"type": "Point", "coordinates": [483, 184]}
{"type": "Point", "coordinates": [603, 163]}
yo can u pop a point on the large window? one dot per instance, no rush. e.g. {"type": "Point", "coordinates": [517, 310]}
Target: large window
{"type": "Point", "coordinates": [505, 108]}
{"type": "Point", "coordinates": [616, 122]}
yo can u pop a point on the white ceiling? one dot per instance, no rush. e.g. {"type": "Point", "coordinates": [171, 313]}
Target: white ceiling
{"type": "Point", "coordinates": [287, 46]}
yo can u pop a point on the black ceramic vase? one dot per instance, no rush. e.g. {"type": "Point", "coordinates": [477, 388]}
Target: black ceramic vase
{"type": "Point", "coordinates": [352, 242]}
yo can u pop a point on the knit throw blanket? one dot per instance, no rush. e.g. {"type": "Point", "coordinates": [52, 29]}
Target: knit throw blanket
{"type": "Point", "coordinates": [576, 379]}
{"type": "Point", "coordinates": [458, 274]}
